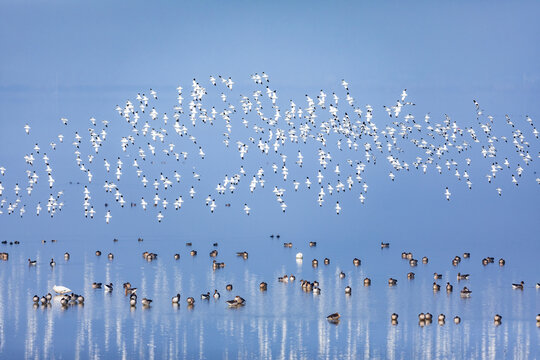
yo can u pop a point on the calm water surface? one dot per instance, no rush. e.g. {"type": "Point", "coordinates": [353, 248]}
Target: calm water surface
{"type": "Point", "coordinates": [284, 322]}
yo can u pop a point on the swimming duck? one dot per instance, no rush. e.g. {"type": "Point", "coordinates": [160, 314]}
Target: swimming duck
{"type": "Point", "coordinates": [315, 263]}
{"type": "Point", "coordinates": [133, 300]}
{"type": "Point", "coordinates": [538, 317]}
{"type": "Point", "coordinates": [52, 263]}
{"type": "Point", "coordinates": [333, 317]}
{"type": "Point", "coordinates": [392, 282]}
{"type": "Point", "coordinates": [441, 317]}
{"type": "Point", "coordinates": [394, 316]}
{"type": "Point", "coordinates": [425, 260]}
{"type": "Point", "coordinates": [228, 287]}
{"type": "Point", "coordinates": [66, 256]}
{"type": "Point", "coordinates": [110, 256]}
{"type": "Point", "coordinates": [428, 317]}
{"type": "Point", "coordinates": [243, 254]}
{"type": "Point", "coordinates": [48, 297]}
{"type": "Point", "coordinates": [130, 290]}
{"type": "Point", "coordinates": [193, 252]}
{"type": "Point", "coordinates": [518, 286]}
{"type": "Point", "coordinates": [356, 262]}
{"type": "Point", "coordinates": [461, 276]}
{"type": "Point", "coordinates": [96, 285]}
{"type": "Point", "coordinates": [213, 253]}
{"type": "Point", "coordinates": [176, 256]}
{"type": "Point", "coordinates": [98, 253]}
{"type": "Point", "coordinates": [109, 287]}
{"type": "Point", "coordinates": [263, 286]}
{"type": "Point", "coordinates": [176, 299]}
{"type": "Point", "coordinates": [410, 275]}
{"type": "Point", "coordinates": [466, 292]}
{"type": "Point", "coordinates": [436, 287]}
{"type": "Point", "coordinates": [216, 294]}
{"type": "Point", "coordinates": [466, 255]}
{"type": "Point", "coordinates": [385, 245]}
{"type": "Point", "coordinates": [497, 318]}
{"type": "Point", "coordinates": [413, 262]}
{"type": "Point", "coordinates": [312, 243]}
{"type": "Point", "coordinates": [449, 287]}
{"type": "Point", "coordinates": [35, 299]}
{"type": "Point", "coordinates": [32, 262]}
{"type": "Point", "coordinates": [326, 261]}
{"type": "Point", "coordinates": [457, 319]}
{"type": "Point", "coordinates": [190, 300]}
{"type": "Point", "coordinates": [485, 261]}
{"type": "Point", "coordinates": [316, 291]}
{"type": "Point", "coordinates": [437, 276]}
{"type": "Point", "coordinates": [292, 277]}
{"type": "Point", "coordinates": [237, 301]}
{"type": "Point", "coordinates": [146, 302]}
{"type": "Point", "coordinates": [205, 296]}
{"type": "Point", "coordinates": [342, 275]}
{"type": "Point", "coordinates": [348, 290]}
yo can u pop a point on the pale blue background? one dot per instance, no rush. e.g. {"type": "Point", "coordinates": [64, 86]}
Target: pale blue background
{"type": "Point", "coordinates": [78, 60]}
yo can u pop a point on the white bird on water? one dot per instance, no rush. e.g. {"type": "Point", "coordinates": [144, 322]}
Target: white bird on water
{"type": "Point", "coordinates": [59, 289]}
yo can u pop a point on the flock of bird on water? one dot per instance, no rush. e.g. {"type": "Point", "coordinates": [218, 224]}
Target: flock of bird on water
{"type": "Point", "coordinates": [67, 298]}
{"type": "Point", "coordinates": [331, 122]}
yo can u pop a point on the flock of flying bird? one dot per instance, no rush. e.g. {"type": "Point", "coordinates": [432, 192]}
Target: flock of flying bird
{"type": "Point", "coordinates": [333, 124]}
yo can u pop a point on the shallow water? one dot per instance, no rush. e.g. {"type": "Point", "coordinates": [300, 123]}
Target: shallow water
{"type": "Point", "coordinates": [285, 321]}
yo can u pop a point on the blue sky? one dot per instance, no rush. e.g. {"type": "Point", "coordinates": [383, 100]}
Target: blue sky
{"type": "Point", "coordinates": [80, 60]}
